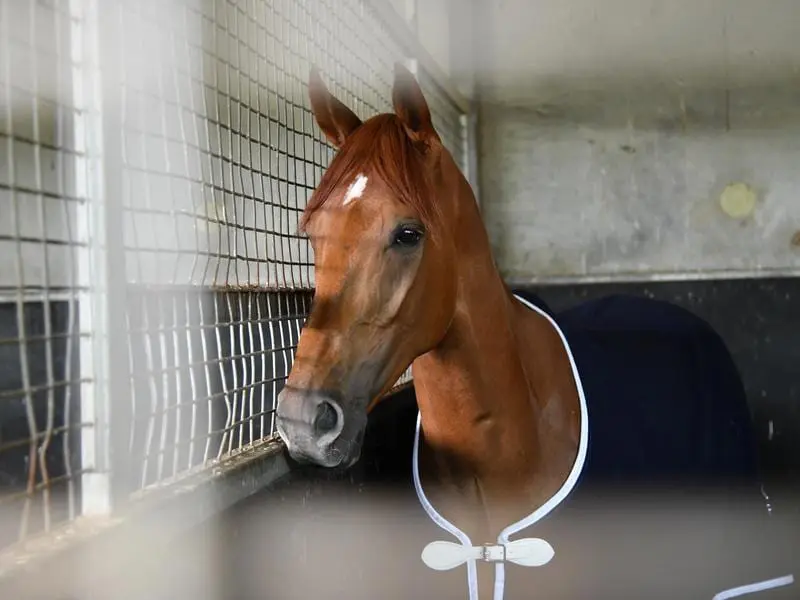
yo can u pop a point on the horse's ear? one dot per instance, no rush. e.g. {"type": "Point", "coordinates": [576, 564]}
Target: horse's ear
{"type": "Point", "coordinates": [335, 120]}
{"type": "Point", "coordinates": [411, 107]}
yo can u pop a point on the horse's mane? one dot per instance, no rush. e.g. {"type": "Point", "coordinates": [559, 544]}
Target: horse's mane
{"type": "Point", "coordinates": [379, 147]}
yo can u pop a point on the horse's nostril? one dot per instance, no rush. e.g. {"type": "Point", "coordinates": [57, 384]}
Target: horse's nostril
{"type": "Point", "coordinates": [326, 418]}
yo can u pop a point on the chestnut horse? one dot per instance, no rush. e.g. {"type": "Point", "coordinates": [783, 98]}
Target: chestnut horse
{"type": "Point", "coordinates": [405, 275]}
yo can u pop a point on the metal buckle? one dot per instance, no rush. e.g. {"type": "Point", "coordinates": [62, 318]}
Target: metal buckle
{"type": "Point", "coordinates": [493, 553]}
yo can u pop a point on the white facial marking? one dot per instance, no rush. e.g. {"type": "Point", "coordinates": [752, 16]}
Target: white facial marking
{"type": "Point", "coordinates": [356, 189]}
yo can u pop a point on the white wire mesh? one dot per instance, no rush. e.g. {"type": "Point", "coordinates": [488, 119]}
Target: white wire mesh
{"type": "Point", "coordinates": [39, 337]}
{"type": "Point", "coordinates": [215, 158]}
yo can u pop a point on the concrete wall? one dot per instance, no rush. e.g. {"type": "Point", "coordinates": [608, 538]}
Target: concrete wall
{"type": "Point", "coordinates": [611, 132]}
{"type": "Point", "coordinates": [433, 28]}
{"type": "Point", "coordinates": [431, 21]}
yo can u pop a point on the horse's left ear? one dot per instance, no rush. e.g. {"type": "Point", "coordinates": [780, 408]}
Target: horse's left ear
{"type": "Point", "coordinates": [335, 120]}
{"type": "Point", "coordinates": [411, 107]}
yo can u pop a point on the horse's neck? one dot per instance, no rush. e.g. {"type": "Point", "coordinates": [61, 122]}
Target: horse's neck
{"type": "Point", "coordinates": [491, 411]}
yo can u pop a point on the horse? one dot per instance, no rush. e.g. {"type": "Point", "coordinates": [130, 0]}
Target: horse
{"type": "Point", "coordinates": [518, 408]}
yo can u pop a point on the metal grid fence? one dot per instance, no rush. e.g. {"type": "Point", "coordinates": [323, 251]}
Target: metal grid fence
{"type": "Point", "coordinates": [155, 157]}
{"type": "Point", "coordinates": [40, 424]}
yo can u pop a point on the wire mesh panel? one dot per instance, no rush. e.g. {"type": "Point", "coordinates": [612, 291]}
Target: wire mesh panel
{"type": "Point", "coordinates": [155, 159]}
{"type": "Point", "coordinates": [39, 286]}
{"type": "Point", "coordinates": [206, 371]}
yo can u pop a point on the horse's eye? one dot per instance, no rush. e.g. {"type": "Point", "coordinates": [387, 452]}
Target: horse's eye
{"type": "Point", "coordinates": [407, 237]}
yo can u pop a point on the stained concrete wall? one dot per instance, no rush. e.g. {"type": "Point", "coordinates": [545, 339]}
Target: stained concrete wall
{"type": "Point", "coordinates": [431, 21]}
{"type": "Point", "coordinates": [610, 131]}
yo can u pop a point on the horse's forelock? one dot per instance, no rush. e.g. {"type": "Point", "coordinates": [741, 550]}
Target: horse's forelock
{"type": "Point", "coordinates": [381, 148]}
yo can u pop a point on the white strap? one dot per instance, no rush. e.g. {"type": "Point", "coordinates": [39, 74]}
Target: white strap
{"type": "Point", "coordinates": [752, 588]}
{"type": "Point", "coordinates": [528, 552]}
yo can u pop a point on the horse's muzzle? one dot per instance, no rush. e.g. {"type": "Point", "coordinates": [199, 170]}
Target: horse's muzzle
{"type": "Point", "coordinates": [312, 425]}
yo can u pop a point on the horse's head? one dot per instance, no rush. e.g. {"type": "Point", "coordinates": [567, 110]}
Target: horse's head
{"type": "Point", "coordinates": [384, 268]}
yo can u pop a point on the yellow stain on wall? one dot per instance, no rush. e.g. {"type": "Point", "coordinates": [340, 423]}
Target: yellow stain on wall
{"type": "Point", "coordinates": [738, 200]}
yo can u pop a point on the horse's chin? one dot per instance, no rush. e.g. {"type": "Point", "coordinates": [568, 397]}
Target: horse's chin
{"type": "Point", "coordinates": [341, 456]}
{"type": "Point", "coordinates": [350, 452]}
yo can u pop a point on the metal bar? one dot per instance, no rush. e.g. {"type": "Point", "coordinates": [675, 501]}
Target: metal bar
{"type": "Point", "coordinates": [471, 160]}
{"type": "Point", "coordinates": [25, 371]}
{"type": "Point", "coordinates": [104, 356]}
{"type": "Point", "coordinates": [658, 276]}
{"type": "Point", "coordinates": [415, 49]}
{"type": "Point", "coordinates": [33, 294]}
{"type": "Point", "coordinates": [44, 446]}
{"type": "Point", "coordinates": [119, 402]}
{"type": "Point", "coordinates": [95, 487]}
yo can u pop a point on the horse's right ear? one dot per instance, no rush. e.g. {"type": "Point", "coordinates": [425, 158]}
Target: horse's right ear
{"type": "Point", "coordinates": [335, 120]}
